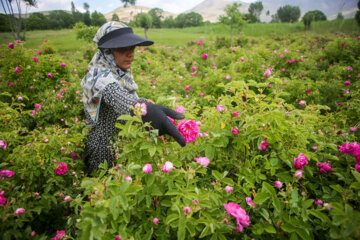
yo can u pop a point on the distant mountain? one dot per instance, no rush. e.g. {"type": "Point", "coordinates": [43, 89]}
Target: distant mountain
{"type": "Point", "coordinates": [126, 14]}
{"type": "Point", "coordinates": [212, 9]}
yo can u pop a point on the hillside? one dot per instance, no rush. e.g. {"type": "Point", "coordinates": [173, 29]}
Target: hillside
{"type": "Point", "coordinates": [212, 9]}
{"type": "Point", "coordinates": [127, 14]}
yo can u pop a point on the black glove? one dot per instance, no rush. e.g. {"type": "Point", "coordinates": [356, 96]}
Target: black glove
{"type": "Point", "coordinates": [157, 116]}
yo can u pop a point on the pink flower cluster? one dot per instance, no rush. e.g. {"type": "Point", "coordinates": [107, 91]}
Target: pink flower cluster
{"type": "Point", "coordinates": [59, 235]}
{"type": "Point", "coordinates": [61, 169]}
{"type": "Point", "coordinates": [6, 173]}
{"type": "Point", "coordinates": [167, 167]}
{"type": "Point", "coordinates": [2, 198]}
{"type": "Point", "coordinates": [249, 202]}
{"type": "Point", "coordinates": [3, 144]}
{"type": "Point", "coordinates": [301, 161]}
{"type": "Point", "coordinates": [263, 145]}
{"type": "Point", "coordinates": [204, 161]}
{"type": "Point", "coordinates": [188, 129]}
{"type": "Point", "coordinates": [324, 167]}
{"type": "Point", "coordinates": [147, 168]}
{"type": "Point", "coordinates": [354, 149]}
{"type": "Point", "coordinates": [242, 219]}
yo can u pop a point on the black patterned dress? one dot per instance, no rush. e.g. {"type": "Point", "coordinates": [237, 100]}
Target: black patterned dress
{"type": "Point", "coordinates": [115, 101]}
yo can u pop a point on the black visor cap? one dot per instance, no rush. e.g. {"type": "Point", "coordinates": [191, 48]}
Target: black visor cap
{"type": "Point", "coordinates": [122, 37]}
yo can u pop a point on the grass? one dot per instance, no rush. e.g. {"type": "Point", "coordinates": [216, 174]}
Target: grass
{"type": "Point", "coordinates": [65, 40]}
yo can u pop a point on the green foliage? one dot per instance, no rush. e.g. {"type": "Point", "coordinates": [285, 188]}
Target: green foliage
{"type": "Point", "coordinates": [156, 15]}
{"type": "Point", "coordinates": [288, 13]}
{"type": "Point", "coordinates": [191, 19]}
{"type": "Point", "coordinates": [255, 10]}
{"type": "Point", "coordinates": [144, 20]}
{"type": "Point", "coordinates": [115, 17]}
{"type": "Point", "coordinates": [97, 19]}
{"type": "Point", "coordinates": [233, 18]}
{"type": "Point", "coordinates": [311, 16]}
{"type": "Point", "coordinates": [128, 2]}
{"type": "Point", "coordinates": [84, 32]}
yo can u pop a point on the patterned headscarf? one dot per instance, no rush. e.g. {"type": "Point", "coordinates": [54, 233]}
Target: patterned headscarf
{"type": "Point", "coordinates": [103, 71]}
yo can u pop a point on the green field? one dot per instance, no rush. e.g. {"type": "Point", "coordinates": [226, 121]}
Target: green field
{"type": "Point", "coordinates": [65, 40]}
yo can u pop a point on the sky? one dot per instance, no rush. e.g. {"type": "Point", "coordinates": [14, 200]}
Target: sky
{"type": "Point", "coordinates": [105, 6]}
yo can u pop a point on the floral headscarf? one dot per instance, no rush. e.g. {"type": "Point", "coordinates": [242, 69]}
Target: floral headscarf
{"type": "Point", "coordinates": [103, 71]}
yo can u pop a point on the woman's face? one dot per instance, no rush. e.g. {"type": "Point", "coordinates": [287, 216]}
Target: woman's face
{"type": "Point", "coordinates": [124, 56]}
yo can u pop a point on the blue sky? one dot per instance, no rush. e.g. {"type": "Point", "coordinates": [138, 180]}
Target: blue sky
{"type": "Point", "coordinates": [105, 6]}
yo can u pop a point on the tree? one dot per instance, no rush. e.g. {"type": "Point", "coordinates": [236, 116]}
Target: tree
{"type": "Point", "coordinates": [87, 19]}
{"type": "Point", "coordinates": [115, 17]}
{"type": "Point", "coordinates": [339, 16]}
{"type": "Point", "coordinates": [97, 19]}
{"type": "Point", "coordinates": [36, 21]}
{"type": "Point", "coordinates": [144, 20]}
{"type": "Point", "coordinates": [16, 23]}
{"type": "Point", "coordinates": [311, 16]}
{"type": "Point", "coordinates": [59, 19]}
{"type": "Point", "coordinates": [267, 13]}
{"type": "Point", "coordinates": [169, 22]}
{"type": "Point", "coordinates": [73, 9]}
{"type": "Point", "coordinates": [128, 2]}
{"type": "Point", "coordinates": [357, 15]}
{"type": "Point", "coordinates": [289, 13]}
{"type": "Point", "coordinates": [255, 10]}
{"type": "Point", "coordinates": [156, 15]}
{"type": "Point", "coordinates": [191, 19]}
{"type": "Point", "coordinates": [233, 18]}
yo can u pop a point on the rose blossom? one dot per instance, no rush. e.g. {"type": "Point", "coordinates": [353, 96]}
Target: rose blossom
{"type": "Point", "coordinates": [187, 87]}
{"type": "Point", "coordinates": [348, 148]}
{"type": "Point", "coordinates": [118, 237]}
{"type": "Point", "coordinates": [7, 173]}
{"type": "Point", "coordinates": [187, 209]}
{"type": "Point", "coordinates": [263, 145]}
{"type": "Point", "coordinates": [229, 188]}
{"type": "Point", "coordinates": [300, 161]}
{"type": "Point", "coordinates": [298, 174]}
{"type": "Point", "coordinates": [204, 161]}
{"type": "Point", "coordinates": [235, 131]}
{"type": "Point", "coordinates": [235, 114]}
{"type": "Point", "coordinates": [180, 109]}
{"type": "Point", "coordinates": [302, 103]}
{"type": "Point", "coordinates": [20, 211]}
{"type": "Point", "coordinates": [318, 202]}
{"type": "Point", "coordinates": [3, 144]}
{"type": "Point", "coordinates": [220, 108]}
{"type": "Point", "coordinates": [278, 184]}
{"type": "Point", "coordinates": [205, 56]}
{"type": "Point", "coordinates": [188, 129]}
{"type": "Point", "coordinates": [11, 45]}
{"type": "Point", "coordinates": [63, 64]}
{"type": "Point", "coordinates": [324, 167]}
{"type": "Point", "coordinates": [61, 169]}
{"type": "Point", "coordinates": [67, 198]}
{"type": "Point", "coordinates": [249, 202]}
{"type": "Point", "coordinates": [17, 69]}
{"type": "Point", "coordinates": [242, 219]}
{"type": "Point", "coordinates": [196, 202]}
{"type": "Point", "coordinates": [142, 107]}
{"type": "Point", "coordinates": [37, 106]}
{"type": "Point", "coordinates": [128, 178]}
{"type": "Point", "coordinates": [267, 73]}
{"type": "Point", "coordinates": [147, 168]}
{"type": "Point", "coordinates": [156, 221]}
{"type": "Point", "coordinates": [167, 167]}
{"type": "Point", "coordinates": [2, 198]}
{"type": "Point", "coordinates": [50, 75]}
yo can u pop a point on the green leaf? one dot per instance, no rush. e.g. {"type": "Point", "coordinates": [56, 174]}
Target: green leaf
{"type": "Point", "coordinates": [270, 229]}
{"type": "Point", "coordinates": [320, 215]}
{"type": "Point", "coordinates": [337, 188]}
{"type": "Point", "coordinates": [258, 229]}
{"type": "Point", "coordinates": [261, 197]}
{"type": "Point", "coordinates": [356, 175]}
{"type": "Point", "coordinates": [206, 231]}
{"type": "Point", "coordinates": [181, 231]}
{"type": "Point", "coordinates": [287, 227]}
{"type": "Point", "coordinates": [170, 218]}
{"type": "Point", "coordinates": [149, 234]}
{"type": "Point", "coordinates": [150, 178]}
{"type": "Point", "coordinates": [216, 174]}
{"type": "Point", "coordinates": [307, 203]}
{"type": "Point", "coordinates": [152, 151]}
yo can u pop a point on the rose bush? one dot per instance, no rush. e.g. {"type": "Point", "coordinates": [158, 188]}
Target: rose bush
{"type": "Point", "coordinates": [267, 155]}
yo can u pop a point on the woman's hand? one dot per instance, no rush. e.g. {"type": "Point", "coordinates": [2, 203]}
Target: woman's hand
{"type": "Point", "coordinates": [150, 101]}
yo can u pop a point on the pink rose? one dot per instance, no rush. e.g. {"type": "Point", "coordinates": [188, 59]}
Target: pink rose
{"type": "Point", "coordinates": [220, 108]}
{"type": "Point", "coordinates": [7, 173]}
{"type": "Point", "coordinates": [62, 64]}
{"type": "Point", "coordinates": [298, 174]}
{"type": "Point", "coordinates": [302, 103]}
{"type": "Point", "coordinates": [227, 77]}
{"type": "Point", "coordinates": [249, 202]}
{"type": "Point", "coordinates": [235, 131]}
{"type": "Point", "coordinates": [61, 169]}
{"type": "Point", "coordinates": [229, 188]}
{"type": "Point", "coordinates": [167, 167]}
{"type": "Point", "coordinates": [188, 129]}
{"type": "Point", "coordinates": [37, 106]}
{"type": "Point", "coordinates": [20, 211]}
{"type": "Point", "coordinates": [242, 219]}
{"type": "Point", "coordinates": [11, 45]}
{"type": "Point", "coordinates": [300, 161]}
{"type": "Point", "coordinates": [156, 221]}
{"type": "Point", "coordinates": [128, 178]}
{"type": "Point", "coordinates": [187, 209]}
{"type": "Point", "coordinates": [118, 237]}
{"type": "Point", "coordinates": [50, 75]}
{"type": "Point", "coordinates": [196, 202]}
{"type": "Point", "coordinates": [180, 109]}
{"type": "Point", "coordinates": [3, 144]}
{"type": "Point", "coordinates": [318, 202]}
{"type": "Point", "coordinates": [2, 198]}
{"type": "Point", "coordinates": [147, 168]}
{"type": "Point", "coordinates": [267, 73]}
{"type": "Point", "coordinates": [242, 59]}
{"type": "Point", "coordinates": [67, 198]}
{"type": "Point", "coordinates": [187, 87]}
{"type": "Point", "coordinates": [17, 69]}
{"type": "Point", "coordinates": [205, 56]}
{"type": "Point", "coordinates": [199, 42]}
{"type": "Point", "coordinates": [348, 148]}
{"type": "Point", "coordinates": [193, 68]}
{"type": "Point", "coordinates": [263, 145]}
{"type": "Point", "coordinates": [235, 114]}
{"type": "Point", "coordinates": [278, 184]}
{"type": "Point", "coordinates": [204, 161]}
{"type": "Point", "coordinates": [324, 167]}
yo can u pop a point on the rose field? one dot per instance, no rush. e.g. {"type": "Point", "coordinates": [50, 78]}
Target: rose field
{"type": "Point", "coordinates": [273, 143]}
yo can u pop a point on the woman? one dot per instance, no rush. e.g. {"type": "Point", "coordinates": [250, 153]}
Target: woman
{"type": "Point", "coordinates": [109, 91]}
